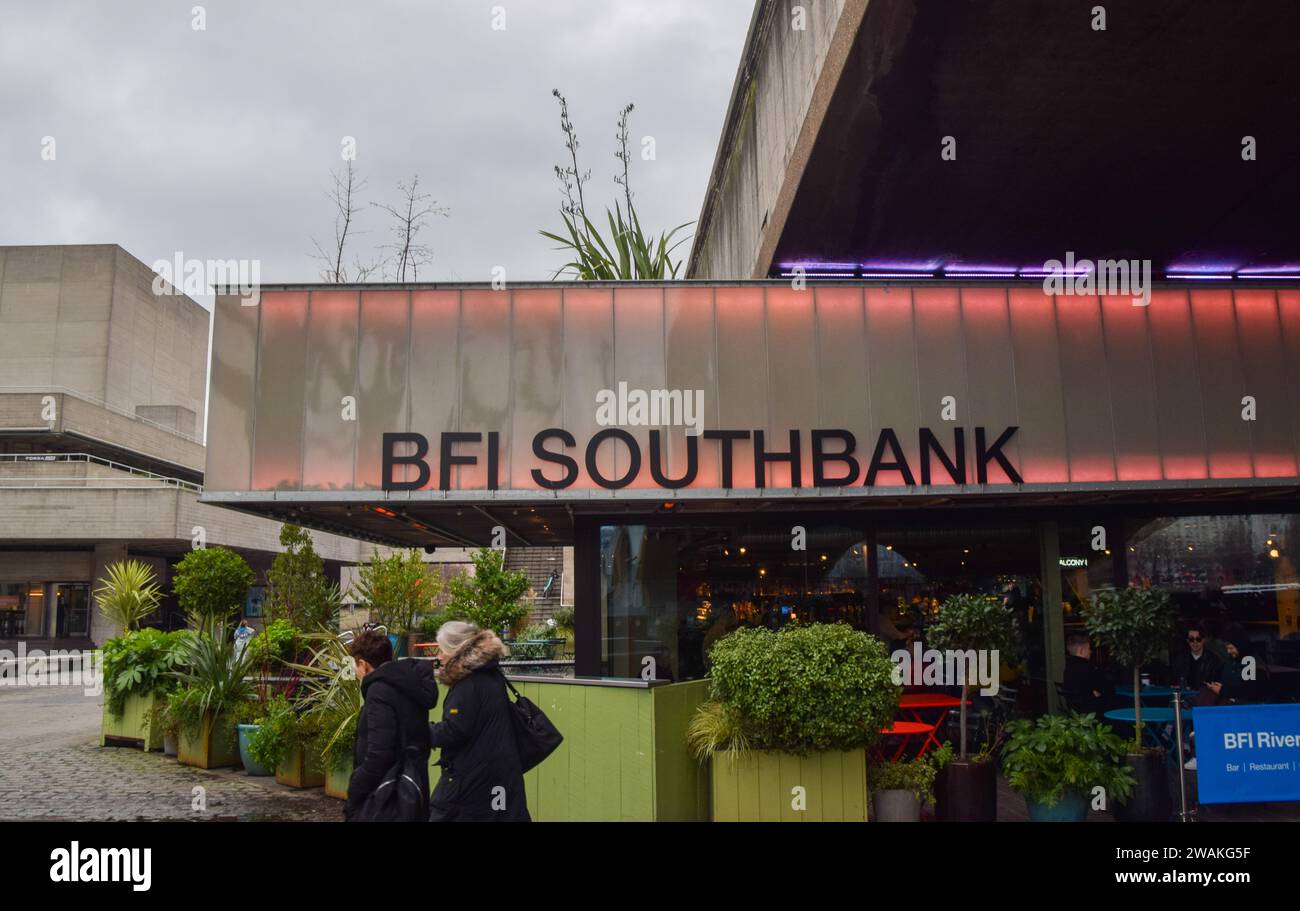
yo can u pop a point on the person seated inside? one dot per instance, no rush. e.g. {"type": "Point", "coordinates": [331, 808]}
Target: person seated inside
{"type": "Point", "coordinates": [1086, 688]}
{"type": "Point", "coordinates": [1197, 666]}
{"type": "Point", "coordinates": [1236, 683]}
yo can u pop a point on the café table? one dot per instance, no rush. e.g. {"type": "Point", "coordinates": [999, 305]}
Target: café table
{"type": "Point", "coordinates": [1151, 692]}
{"type": "Point", "coordinates": [912, 704]}
{"type": "Point", "coordinates": [1154, 720]}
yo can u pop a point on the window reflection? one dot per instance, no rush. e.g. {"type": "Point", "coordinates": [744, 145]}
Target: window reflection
{"type": "Point", "coordinates": [670, 592]}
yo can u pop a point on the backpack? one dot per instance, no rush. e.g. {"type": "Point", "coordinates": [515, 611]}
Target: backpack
{"type": "Point", "coordinates": [535, 736]}
{"type": "Point", "coordinates": [399, 797]}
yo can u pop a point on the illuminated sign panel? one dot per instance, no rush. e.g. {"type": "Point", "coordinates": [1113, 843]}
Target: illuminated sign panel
{"type": "Point", "coordinates": [588, 389]}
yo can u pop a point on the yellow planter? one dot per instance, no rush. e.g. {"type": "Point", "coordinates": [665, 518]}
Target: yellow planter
{"type": "Point", "coordinates": [216, 746]}
{"type": "Point", "coordinates": [133, 726]}
{"type": "Point", "coordinates": [777, 787]}
{"type": "Point", "coordinates": [300, 771]}
{"type": "Point", "coordinates": [336, 782]}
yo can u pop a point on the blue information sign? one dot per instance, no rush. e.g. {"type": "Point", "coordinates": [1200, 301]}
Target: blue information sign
{"type": "Point", "coordinates": [1247, 753]}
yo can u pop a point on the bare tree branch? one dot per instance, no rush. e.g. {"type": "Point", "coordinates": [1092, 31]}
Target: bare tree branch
{"type": "Point", "coordinates": [410, 217]}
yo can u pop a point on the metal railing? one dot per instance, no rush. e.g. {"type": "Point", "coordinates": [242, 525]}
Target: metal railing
{"type": "Point", "coordinates": [135, 477]}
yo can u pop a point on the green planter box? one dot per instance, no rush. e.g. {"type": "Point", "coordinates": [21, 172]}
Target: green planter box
{"type": "Point", "coordinates": [761, 787]}
{"type": "Point", "coordinates": [300, 771]}
{"type": "Point", "coordinates": [133, 726]}
{"type": "Point", "coordinates": [336, 782]}
{"type": "Point", "coordinates": [624, 756]}
{"type": "Point", "coordinates": [216, 746]}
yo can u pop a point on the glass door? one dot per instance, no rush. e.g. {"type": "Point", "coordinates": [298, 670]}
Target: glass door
{"type": "Point", "coordinates": [73, 610]}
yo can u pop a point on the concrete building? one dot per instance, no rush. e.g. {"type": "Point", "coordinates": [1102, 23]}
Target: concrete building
{"type": "Point", "coordinates": [102, 409]}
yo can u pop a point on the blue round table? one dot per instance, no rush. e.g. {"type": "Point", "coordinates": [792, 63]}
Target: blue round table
{"type": "Point", "coordinates": [1153, 715]}
{"type": "Point", "coordinates": [1156, 723]}
{"type": "Point", "coordinates": [1150, 692]}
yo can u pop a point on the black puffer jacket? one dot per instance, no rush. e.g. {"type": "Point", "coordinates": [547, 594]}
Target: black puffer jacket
{"type": "Point", "coordinates": [481, 778]}
{"type": "Point", "coordinates": [398, 696]}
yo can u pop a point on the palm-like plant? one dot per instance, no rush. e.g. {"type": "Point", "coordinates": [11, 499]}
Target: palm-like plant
{"type": "Point", "coordinates": [332, 691]}
{"type": "Point", "coordinates": [629, 255]}
{"type": "Point", "coordinates": [127, 594]}
{"type": "Point", "coordinates": [215, 675]}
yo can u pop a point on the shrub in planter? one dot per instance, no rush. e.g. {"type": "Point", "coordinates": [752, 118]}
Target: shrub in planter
{"type": "Point", "coordinates": [820, 693]}
{"type": "Point", "coordinates": [1134, 625]}
{"type": "Point", "coordinates": [210, 585]}
{"type": "Point", "coordinates": [1057, 760]}
{"type": "Point", "coordinates": [214, 682]}
{"type": "Point", "coordinates": [491, 595]}
{"type": "Point", "coordinates": [331, 698]}
{"type": "Point", "coordinates": [137, 673]}
{"type": "Point", "coordinates": [127, 594]}
{"type": "Point", "coordinates": [285, 741]}
{"type": "Point", "coordinates": [968, 788]}
{"type": "Point", "coordinates": [397, 590]}
{"type": "Point", "coordinates": [899, 788]}
{"type": "Point", "coordinates": [299, 591]}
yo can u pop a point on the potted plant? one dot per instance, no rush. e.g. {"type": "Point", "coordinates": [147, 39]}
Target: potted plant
{"type": "Point", "coordinates": [272, 646]}
{"type": "Point", "coordinates": [1134, 625]}
{"type": "Point", "coordinates": [788, 721]}
{"type": "Point", "coordinates": [492, 596]}
{"type": "Point", "coordinates": [137, 674]}
{"type": "Point", "coordinates": [397, 590]}
{"type": "Point", "coordinates": [332, 697]}
{"type": "Point", "coordinates": [899, 788]}
{"type": "Point", "coordinates": [283, 741]}
{"type": "Point", "coordinates": [966, 789]}
{"type": "Point", "coordinates": [299, 591]}
{"type": "Point", "coordinates": [1056, 761]}
{"type": "Point", "coordinates": [248, 717]}
{"type": "Point", "coordinates": [215, 681]}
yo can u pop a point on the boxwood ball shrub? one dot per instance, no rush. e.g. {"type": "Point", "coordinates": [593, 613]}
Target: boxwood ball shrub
{"type": "Point", "coordinates": [820, 687]}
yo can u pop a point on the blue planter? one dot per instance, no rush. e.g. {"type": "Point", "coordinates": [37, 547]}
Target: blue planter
{"type": "Point", "coordinates": [1070, 808]}
{"type": "Point", "coordinates": [399, 645]}
{"type": "Point", "coordinates": [246, 732]}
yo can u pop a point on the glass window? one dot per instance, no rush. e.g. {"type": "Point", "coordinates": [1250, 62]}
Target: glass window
{"type": "Point", "coordinates": [669, 592]}
{"type": "Point", "coordinates": [1231, 573]}
{"type": "Point", "coordinates": [22, 609]}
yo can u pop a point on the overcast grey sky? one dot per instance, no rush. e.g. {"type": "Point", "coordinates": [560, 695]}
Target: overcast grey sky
{"type": "Point", "coordinates": [220, 143]}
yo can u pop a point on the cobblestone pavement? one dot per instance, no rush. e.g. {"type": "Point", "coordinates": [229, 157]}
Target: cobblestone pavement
{"type": "Point", "coordinates": [52, 767]}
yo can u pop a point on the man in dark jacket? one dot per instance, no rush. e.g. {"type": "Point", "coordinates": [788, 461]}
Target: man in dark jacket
{"type": "Point", "coordinates": [1198, 665]}
{"type": "Point", "coordinates": [397, 698]}
{"type": "Point", "coordinates": [481, 779]}
{"type": "Point", "coordinates": [1085, 687]}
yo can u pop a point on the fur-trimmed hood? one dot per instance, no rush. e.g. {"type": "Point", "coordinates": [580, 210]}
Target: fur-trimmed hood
{"type": "Point", "coordinates": [484, 649]}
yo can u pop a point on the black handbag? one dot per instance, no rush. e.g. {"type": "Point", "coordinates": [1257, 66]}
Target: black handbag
{"type": "Point", "coordinates": [400, 797]}
{"type": "Point", "coordinates": [535, 735]}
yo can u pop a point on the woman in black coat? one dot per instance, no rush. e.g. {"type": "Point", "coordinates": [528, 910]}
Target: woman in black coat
{"type": "Point", "coordinates": [481, 778]}
{"type": "Point", "coordinates": [398, 698]}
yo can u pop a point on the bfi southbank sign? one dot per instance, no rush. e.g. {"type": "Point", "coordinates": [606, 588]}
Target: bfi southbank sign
{"type": "Point", "coordinates": [835, 458]}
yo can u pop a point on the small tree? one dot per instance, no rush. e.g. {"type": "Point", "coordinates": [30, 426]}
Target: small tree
{"type": "Point", "coordinates": [210, 585]}
{"type": "Point", "coordinates": [1134, 625]}
{"type": "Point", "coordinates": [490, 597]}
{"type": "Point", "coordinates": [127, 594]}
{"type": "Point", "coordinates": [299, 591]}
{"type": "Point", "coordinates": [397, 589]}
{"type": "Point", "coordinates": [979, 622]}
